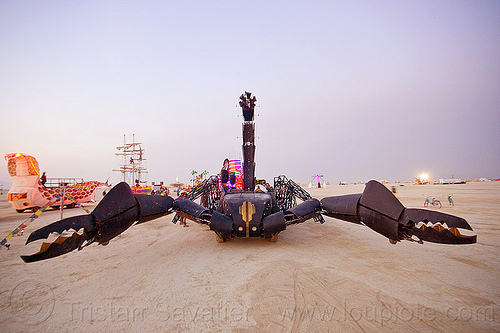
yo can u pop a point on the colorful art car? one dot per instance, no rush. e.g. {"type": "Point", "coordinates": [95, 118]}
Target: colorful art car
{"type": "Point", "coordinates": [27, 191]}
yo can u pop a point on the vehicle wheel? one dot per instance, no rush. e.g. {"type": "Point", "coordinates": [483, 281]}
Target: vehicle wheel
{"type": "Point", "coordinates": [55, 207]}
{"type": "Point", "coordinates": [438, 203]}
{"type": "Point", "coordinates": [274, 237]}
{"type": "Point", "coordinates": [71, 205]}
{"type": "Point", "coordinates": [19, 210]}
{"type": "Point", "coordinates": [35, 209]}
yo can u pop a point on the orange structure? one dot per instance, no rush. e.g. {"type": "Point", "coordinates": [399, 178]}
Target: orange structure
{"type": "Point", "coordinates": [27, 192]}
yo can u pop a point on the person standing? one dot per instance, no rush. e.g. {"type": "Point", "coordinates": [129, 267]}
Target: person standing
{"type": "Point", "coordinates": [43, 179]}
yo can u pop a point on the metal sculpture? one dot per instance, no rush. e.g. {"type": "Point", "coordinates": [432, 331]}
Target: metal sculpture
{"type": "Point", "coordinates": [254, 211]}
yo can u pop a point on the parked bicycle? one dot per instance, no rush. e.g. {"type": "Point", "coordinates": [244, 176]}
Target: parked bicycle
{"type": "Point", "coordinates": [431, 201]}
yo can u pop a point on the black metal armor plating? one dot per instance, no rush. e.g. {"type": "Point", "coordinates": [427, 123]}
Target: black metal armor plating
{"type": "Point", "coordinates": [343, 207]}
{"type": "Point", "coordinates": [274, 223]}
{"type": "Point", "coordinates": [247, 210]}
{"type": "Point", "coordinates": [153, 206]}
{"type": "Point", "coordinates": [248, 156]}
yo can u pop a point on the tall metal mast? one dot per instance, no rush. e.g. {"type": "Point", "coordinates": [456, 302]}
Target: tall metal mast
{"type": "Point", "coordinates": [247, 103]}
{"type": "Point", "coordinates": [132, 161]}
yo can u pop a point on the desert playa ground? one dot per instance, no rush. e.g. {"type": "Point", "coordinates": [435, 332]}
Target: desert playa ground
{"type": "Point", "coordinates": [335, 277]}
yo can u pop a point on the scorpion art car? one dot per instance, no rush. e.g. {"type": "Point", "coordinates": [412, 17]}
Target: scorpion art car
{"type": "Point", "coordinates": [250, 211]}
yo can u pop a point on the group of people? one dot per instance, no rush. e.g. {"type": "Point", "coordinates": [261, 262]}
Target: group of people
{"type": "Point", "coordinates": [161, 191]}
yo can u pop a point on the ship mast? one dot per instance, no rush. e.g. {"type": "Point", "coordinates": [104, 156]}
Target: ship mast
{"type": "Point", "coordinates": [132, 161]}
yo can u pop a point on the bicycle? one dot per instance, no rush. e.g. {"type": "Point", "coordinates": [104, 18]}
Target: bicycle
{"type": "Point", "coordinates": [431, 201]}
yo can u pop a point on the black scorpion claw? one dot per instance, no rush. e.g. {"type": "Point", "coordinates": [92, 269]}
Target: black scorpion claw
{"type": "Point", "coordinates": [59, 247]}
{"type": "Point", "coordinates": [439, 234]}
{"type": "Point", "coordinates": [76, 223]}
{"type": "Point", "coordinates": [423, 215]}
{"type": "Point", "coordinates": [382, 212]}
{"type": "Point", "coordinates": [116, 212]}
{"type": "Point", "coordinates": [436, 227]}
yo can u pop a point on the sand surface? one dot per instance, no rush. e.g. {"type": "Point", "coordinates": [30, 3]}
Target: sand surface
{"type": "Point", "coordinates": [335, 277]}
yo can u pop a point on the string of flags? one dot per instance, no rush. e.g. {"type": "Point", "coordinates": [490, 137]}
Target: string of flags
{"type": "Point", "coordinates": [18, 231]}
{"type": "Point", "coordinates": [77, 203]}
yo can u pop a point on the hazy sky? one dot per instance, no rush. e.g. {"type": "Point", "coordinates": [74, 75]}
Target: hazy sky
{"type": "Point", "coordinates": [354, 90]}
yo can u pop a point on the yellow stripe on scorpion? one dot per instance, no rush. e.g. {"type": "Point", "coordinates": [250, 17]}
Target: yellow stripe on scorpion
{"type": "Point", "coordinates": [247, 209]}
